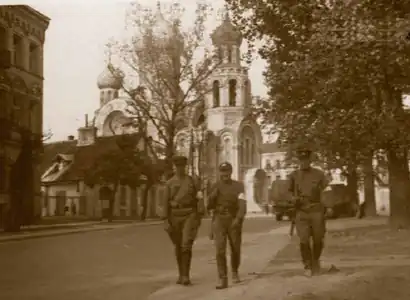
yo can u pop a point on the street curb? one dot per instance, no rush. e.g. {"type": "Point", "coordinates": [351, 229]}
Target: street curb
{"type": "Point", "coordinates": [95, 227]}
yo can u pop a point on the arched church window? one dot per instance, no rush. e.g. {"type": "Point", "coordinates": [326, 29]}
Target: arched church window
{"type": "Point", "coordinates": [216, 93]}
{"type": "Point", "coordinates": [229, 55]}
{"type": "Point", "coordinates": [247, 94]}
{"type": "Point", "coordinates": [220, 54]}
{"type": "Point", "coordinates": [115, 94]}
{"type": "Point", "coordinates": [252, 153]}
{"type": "Point", "coordinates": [232, 92]}
{"type": "Point", "coordinates": [246, 151]}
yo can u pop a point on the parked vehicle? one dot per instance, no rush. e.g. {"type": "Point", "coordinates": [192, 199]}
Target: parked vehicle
{"type": "Point", "coordinates": [336, 197]}
{"type": "Point", "coordinates": [280, 199]}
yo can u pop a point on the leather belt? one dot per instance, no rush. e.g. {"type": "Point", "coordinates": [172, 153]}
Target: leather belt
{"type": "Point", "coordinates": [175, 205]}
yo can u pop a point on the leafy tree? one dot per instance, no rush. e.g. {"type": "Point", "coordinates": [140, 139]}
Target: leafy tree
{"type": "Point", "coordinates": [337, 71]}
{"type": "Point", "coordinates": [126, 165]}
{"type": "Point", "coordinates": [172, 63]}
{"type": "Point", "coordinates": [114, 168]}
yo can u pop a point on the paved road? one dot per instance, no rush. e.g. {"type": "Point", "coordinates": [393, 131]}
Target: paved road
{"type": "Point", "coordinates": [124, 263]}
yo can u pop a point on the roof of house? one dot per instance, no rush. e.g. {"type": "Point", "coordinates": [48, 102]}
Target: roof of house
{"type": "Point", "coordinates": [83, 156]}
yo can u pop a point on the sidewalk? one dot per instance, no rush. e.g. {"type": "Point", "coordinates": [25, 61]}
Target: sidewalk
{"type": "Point", "coordinates": [40, 231]}
{"type": "Point", "coordinates": [369, 261]}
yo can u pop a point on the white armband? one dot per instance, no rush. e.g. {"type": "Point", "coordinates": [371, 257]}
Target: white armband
{"type": "Point", "coordinates": [241, 196]}
{"type": "Point", "coordinates": [199, 195]}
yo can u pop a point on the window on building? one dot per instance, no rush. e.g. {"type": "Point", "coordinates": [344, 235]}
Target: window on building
{"type": "Point", "coordinates": [232, 92]}
{"type": "Point", "coordinates": [252, 153]}
{"type": "Point", "coordinates": [16, 110]}
{"type": "Point", "coordinates": [34, 58]}
{"type": "Point", "coordinates": [18, 50]}
{"type": "Point", "coordinates": [3, 175]}
{"type": "Point", "coordinates": [229, 55]}
{"type": "Point", "coordinates": [3, 38]}
{"type": "Point", "coordinates": [5, 106]}
{"type": "Point", "coordinates": [278, 164]}
{"type": "Point", "coordinates": [216, 93]}
{"type": "Point", "coordinates": [246, 152]}
{"type": "Point", "coordinates": [123, 195]}
{"type": "Point", "coordinates": [268, 165]}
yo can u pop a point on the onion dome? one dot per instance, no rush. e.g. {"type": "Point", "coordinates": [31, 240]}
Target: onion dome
{"type": "Point", "coordinates": [110, 78]}
{"type": "Point", "coordinates": [161, 29]}
{"type": "Point", "coordinates": [226, 33]}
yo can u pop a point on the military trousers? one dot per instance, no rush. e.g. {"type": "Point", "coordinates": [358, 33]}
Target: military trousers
{"type": "Point", "coordinates": [183, 232]}
{"type": "Point", "coordinates": [223, 232]}
{"type": "Point", "coordinates": [310, 226]}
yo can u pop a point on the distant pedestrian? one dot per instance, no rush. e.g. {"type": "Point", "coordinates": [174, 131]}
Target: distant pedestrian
{"type": "Point", "coordinates": [307, 185]}
{"type": "Point", "coordinates": [73, 209]}
{"type": "Point", "coordinates": [183, 210]}
{"type": "Point", "coordinates": [227, 202]}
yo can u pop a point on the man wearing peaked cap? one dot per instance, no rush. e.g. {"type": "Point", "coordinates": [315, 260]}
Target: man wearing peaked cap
{"type": "Point", "coordinates": [306, 185]}
{"type": "Point", "coordinates": [227, 202]}
{"type": "Point", "coordinates": [183, 210]}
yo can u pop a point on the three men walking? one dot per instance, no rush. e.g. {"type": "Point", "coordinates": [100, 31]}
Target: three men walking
{"type": "Point", "coordinates": [184, 209]}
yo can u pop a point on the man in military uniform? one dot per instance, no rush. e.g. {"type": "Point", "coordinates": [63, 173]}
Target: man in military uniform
{"type": "Point", "coordinates": [183, 210]}
{"type": "Point", "coordinates": [227, 202]}
{"type": "Point", "coordinates": [306, 186]}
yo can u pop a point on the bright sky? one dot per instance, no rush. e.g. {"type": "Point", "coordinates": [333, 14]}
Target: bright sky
{"type": "Point", "coordinates": [74, 56]}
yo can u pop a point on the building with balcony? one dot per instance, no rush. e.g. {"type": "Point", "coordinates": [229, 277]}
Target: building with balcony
{"type": "Point", "coordinates": [22, 38]}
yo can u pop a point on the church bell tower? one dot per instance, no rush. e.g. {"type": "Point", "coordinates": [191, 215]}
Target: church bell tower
{"type": "Point", "coordinates": [230, 99]}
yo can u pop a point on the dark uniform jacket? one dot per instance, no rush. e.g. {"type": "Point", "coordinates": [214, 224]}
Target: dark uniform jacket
{"type": "Point", "coordinates": [181, 196]}
{"type": "Point", "coordinates": [224, 199]}
{"type": "Point", "coordinates": [308, 185]}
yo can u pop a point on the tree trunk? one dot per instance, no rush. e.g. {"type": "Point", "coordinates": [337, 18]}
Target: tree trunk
{"type": "Point", "coordinates": [111, 203]}
{"type": "Point", "coordinates": [399, 184]}
{"type": "Point", "coordinates": [352, 187]}
{"type": "Point", "coordinates": [369, 188]}
{"type": "Point", "coordinates": [144, 202]}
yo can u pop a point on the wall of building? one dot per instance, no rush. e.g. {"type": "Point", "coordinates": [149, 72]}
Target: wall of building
{"type": "Point", "coordinates": [128, 201]}
{"type": "Point", "coordinates": [22, 37]}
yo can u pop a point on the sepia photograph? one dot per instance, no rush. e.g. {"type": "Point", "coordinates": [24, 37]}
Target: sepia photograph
{"type": "Point", "coordinates": [205, 149]}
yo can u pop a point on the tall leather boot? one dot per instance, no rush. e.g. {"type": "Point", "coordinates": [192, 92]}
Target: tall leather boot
{"type": "Point", "coordinates": [306, 254]}
{"type": "Point", "coordinates": [186, 265]}
{"type": "Point", "coordinates": [222, 271]}
{"type": "Point", "coordinates": [178, 256]}
{"type": "Point", "coordinates": [235, 261]}
{"type": "Point", "coordinates": [317, 252]}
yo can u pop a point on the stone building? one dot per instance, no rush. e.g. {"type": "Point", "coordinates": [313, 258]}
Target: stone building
{"type": "Point", "coordinates": [22, 37]}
